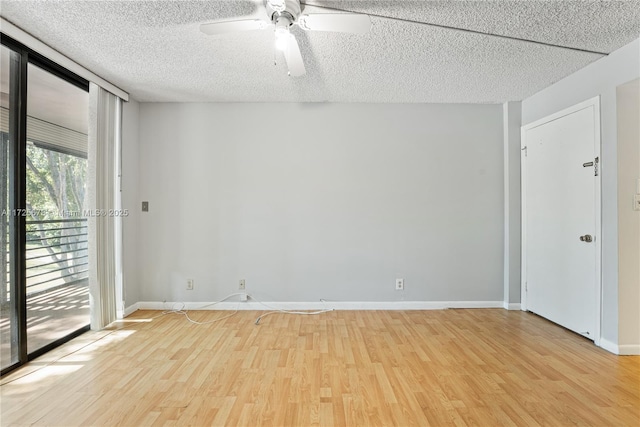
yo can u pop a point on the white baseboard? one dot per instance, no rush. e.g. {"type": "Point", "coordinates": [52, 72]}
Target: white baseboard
{"type": "Point", "coordinates": [301, 305]}
{"type": "Point", "coordinates": [629, 350]}
{"type": "Point", "coordinates": [609, 346]}
{"type": "Point", "coordinates": [511, 306]}
{"type": "Point", "coordinates": [132, 308]}
{"type": "Point", "coordinates": [620, 350]}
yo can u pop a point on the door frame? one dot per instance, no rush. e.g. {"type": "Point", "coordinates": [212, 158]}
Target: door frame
{"type": "Point", "coordinates": [593, 103]}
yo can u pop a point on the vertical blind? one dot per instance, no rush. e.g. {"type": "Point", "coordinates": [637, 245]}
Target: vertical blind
{"type": "Point", "coordinates": [103, 197]}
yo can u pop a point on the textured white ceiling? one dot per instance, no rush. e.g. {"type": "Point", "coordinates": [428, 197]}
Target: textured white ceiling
{"type": "Point", "coordinates": [155, 51]}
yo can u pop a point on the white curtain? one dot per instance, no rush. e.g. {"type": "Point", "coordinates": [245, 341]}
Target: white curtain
{"type": "Point", "coordinates": [103, 195]}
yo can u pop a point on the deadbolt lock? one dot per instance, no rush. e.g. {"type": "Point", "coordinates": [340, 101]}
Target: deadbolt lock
{"type": "Point", "coordinates": [586, 238]}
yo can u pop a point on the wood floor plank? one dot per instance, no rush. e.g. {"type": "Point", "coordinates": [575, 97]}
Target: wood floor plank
{"type": "Point", "coordinates": [343, 368]}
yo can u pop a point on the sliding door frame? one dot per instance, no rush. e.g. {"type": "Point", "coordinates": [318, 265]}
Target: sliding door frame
{"type": "Point", "coordinates": [16, 164]}
{"type": "Point", "coordinates": [18, 175]}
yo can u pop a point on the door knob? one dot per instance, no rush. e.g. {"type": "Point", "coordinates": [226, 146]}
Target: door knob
{"type": "Point", "coordinates": [586, 238]}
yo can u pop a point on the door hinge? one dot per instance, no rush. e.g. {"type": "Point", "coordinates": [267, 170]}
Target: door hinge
{"type": "Point", "coordinates": [594, 164]}
{"type": "Point", "coordinates": [525, 150]}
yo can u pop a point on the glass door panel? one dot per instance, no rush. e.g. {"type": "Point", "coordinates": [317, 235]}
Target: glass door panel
{"type": "Point", "coordinates": [9, 70]}
{"type": "Point", "coordinates": [56, 232]}
{"type": "Point", "coordinates": [9, 347]}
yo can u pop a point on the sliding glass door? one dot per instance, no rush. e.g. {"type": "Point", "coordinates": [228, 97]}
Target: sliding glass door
{"type": "Point", "coordinates": [43, 153]}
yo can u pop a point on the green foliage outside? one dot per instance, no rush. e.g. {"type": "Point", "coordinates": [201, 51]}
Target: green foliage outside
{"type": "Point", "coordinates": [55, 190]}
{"type": "Point", "coordinates": [55, 184]}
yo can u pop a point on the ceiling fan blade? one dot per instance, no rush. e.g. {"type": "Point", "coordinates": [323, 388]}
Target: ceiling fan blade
{"type": "Point", "coordinates": [216, 28]}
{"type": "Point", "coordinates": [294, 58]}
{"type": "Point", "coordinates": [339, 22]}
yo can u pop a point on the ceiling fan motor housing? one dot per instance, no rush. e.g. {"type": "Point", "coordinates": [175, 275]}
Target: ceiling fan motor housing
{"type": "Point", "coordinates": [276, 8]}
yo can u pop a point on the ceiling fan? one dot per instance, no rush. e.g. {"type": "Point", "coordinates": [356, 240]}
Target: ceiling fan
{"type": "Point", "coordinates": [281, 15]}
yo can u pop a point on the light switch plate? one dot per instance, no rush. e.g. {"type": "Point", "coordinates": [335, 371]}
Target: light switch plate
{"type": "Point", "coordinates": [145, 206]}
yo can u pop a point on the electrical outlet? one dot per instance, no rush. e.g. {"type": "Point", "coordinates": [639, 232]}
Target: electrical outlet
{"type": "Point", "coordinates": [241, 285]}
{"type": "Point", "coordinates": [189, 284]}
{"type": "Point", "coordinates": [399, 284]}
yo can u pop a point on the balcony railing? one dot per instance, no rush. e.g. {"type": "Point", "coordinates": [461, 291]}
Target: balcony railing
{"type": "Point", "coordinates": [56, 254]}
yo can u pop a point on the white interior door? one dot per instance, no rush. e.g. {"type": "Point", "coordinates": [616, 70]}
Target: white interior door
{"type": "Point", "coordinates": [561, 218]}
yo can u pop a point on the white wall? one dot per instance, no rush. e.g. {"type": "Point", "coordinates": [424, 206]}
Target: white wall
{"type": "Point", "coordinates": [318, 201]}
{"type": "Point", "coordinates": [628, 107]}
{"type": "Point", "coordinates": [599, 78]}
{"type": "Point", "coordinates": [130, 201]}
{"type": "Point", "coordinates": [512, 120]}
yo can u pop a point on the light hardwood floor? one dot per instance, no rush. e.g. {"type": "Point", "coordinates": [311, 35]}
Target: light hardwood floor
{"type": "Point", "coordinates": [483, 367]}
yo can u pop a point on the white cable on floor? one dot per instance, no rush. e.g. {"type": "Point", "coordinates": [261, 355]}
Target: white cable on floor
{"type": "Point", "coordinates": [278, 310]}
{"type": "Point", "coordinates": [210, 321]}
{"type": "Point", "coordinates": [183, 312]}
